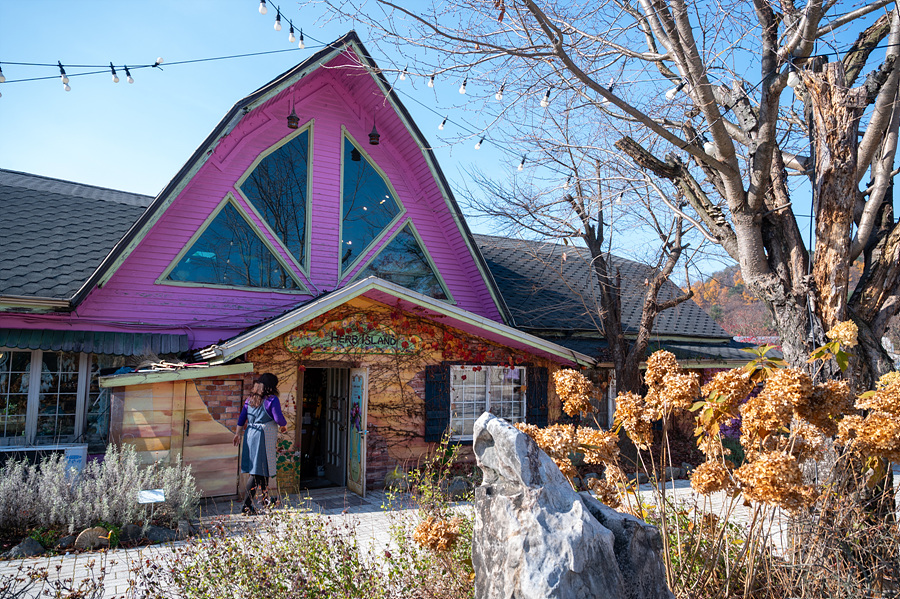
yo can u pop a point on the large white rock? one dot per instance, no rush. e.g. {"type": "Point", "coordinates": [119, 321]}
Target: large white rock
{"type": "Point", "coordinates": [535, 537]}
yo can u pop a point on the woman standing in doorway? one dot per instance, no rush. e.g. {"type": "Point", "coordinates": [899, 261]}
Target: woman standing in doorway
{"type": "Point", "coordinates": [257, 422]}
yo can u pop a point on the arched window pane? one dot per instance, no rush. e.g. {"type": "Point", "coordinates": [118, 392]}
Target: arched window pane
{"type": "Point", "coordinates": [403, 261]}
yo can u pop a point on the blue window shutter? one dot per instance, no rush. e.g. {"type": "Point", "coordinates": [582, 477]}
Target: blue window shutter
{"type": "Point", "coordinates": [437, 402]}
{"type": "Point", "coordinates": [536, 395]}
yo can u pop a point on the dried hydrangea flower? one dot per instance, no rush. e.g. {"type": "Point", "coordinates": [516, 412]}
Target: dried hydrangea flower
{"type": "Point", "coordinates": [845, 332]}
{"type": "Point", "coordinates": [828, 402]}
{"type": "Point", "coordinates": [599, 447]}
{"type": "Point", "coordinates": [437, 534]}
{"type": "Point", "coordinates": [659, 364]}
{"type": "Point", "coordinates": [575, 391]}
{"type": "Point", "coordinates": [710, 477]}
{"type": "Point", "coordinates": [887, 379]}
{"type": "Point", "coordinates": [557, 441]}
{"type": "Point", "coordinates": [774, 478]}
{"type": "Point", "coordinates": [732, 385]}
{"type": "Point", "coordinates": [885, 400]}
{"type": "Point", "coordinates": [876, 435]}
{"type": "Point", "coordinates": [762, 416]}
{"type": "Point", "coordinates": [606, 492]}
{"type": "Point", "coordinates": [636, 417]}
{"type": "Point", "coordinates": [791, 383]}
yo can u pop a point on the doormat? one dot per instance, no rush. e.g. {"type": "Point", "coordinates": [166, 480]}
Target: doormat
{"type": "Point", "coordinates": [341, 502]}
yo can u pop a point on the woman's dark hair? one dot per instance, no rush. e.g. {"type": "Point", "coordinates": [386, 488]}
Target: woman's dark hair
{"type": "Point", "coordinates": [269, 382]}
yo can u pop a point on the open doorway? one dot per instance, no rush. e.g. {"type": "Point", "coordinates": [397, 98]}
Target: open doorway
{"type": "Point", "coordinates": [323, 438]}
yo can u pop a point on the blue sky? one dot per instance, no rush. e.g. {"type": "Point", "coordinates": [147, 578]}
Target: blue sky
{"type": "Point", "coordinates": [136, 136]}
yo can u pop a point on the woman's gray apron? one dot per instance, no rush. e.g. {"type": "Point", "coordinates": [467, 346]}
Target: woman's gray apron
{"type": "Point", "coordinates": [260, 438]}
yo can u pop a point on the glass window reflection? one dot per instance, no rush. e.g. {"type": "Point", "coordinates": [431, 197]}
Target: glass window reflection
{"type": "Point", "coordinates": [403, 261]}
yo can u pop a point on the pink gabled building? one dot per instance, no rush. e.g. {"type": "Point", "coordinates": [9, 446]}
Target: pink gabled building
{"type": "Point", "coordinates": [312, 234]}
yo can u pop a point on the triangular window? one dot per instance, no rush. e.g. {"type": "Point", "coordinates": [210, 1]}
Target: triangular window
{"type": "Point", "coordinates": [403, 261]}
{"type": "Point", "coordinates": [277, 189]}
{"type": "Point", "coordinates": [230, 252]}
{"type": "Point", "coordinates": [368, 202]}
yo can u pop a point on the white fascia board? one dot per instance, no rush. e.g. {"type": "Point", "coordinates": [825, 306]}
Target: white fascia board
{"type": "Point", "coordinates": [277, 327]}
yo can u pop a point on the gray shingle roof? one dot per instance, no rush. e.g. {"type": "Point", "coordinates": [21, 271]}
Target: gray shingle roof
{"type": "Point", "coordinates": [54, 234]}
{"type": "Point", "coordinates": [545, 292]}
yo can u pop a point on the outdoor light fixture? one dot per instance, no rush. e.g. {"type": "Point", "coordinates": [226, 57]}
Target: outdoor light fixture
{"type": "Point", "coordinates": [610, 88]}
{"type": "Point", "coordinates": [129, 78]}
{"type": "Point", "coordinates": [462, 88]}
{"type": "Point", "coordinates": [262, 7]}
{"type": "Point", "coordinates": [62, 74]}
{"type": "Point", "coordinates": [291, 37]}
{"type": "Point", "coordinates": [301, 45]}
{"type": "Point", "coordinates": [443, 123]}
{"type": "Point", "coordinates": [499, 95]}
{"type": "Point", "coordinates": [568, 183]}
{"type": "Point", "coordinates": [431, 81]}
{"type": "Point", "coordinates": [404, 73]}
{"type": "Point", "coordinates": [545, 101]}
{"type": "Point", "coordinates": [115, 77]}
{"type": "Point", "coordinates": [478, 145]}
{"type": "Point", "coordinates": [709, 147]}
{"type": "Point", "coordinates": [670, 94]}
{"type": "Point", "coordinates": [3, 77]}
{"type": "Point", "coordinates": [159, 61]}
{"type": "Point", "coordinates": [293, 121]}
{"type": "Point", "coordinates": [374, 136]}
{"type": "Point", "coordinates": [793, 79]}
{"type": "Point", "coordinates": [522, 164]}
{"type": "Point", "coordinates": [278, 21]}
{"type": "Point", "coordinates": [355, 156]}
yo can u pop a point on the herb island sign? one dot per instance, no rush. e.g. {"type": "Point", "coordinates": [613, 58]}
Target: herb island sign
{"type": "Point", "coordinates": [354, 335]}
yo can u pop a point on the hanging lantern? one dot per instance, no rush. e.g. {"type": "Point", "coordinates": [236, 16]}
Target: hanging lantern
{"type": "Point", "coordinates": [293, 121]}
{"type": "Point", "coordinates": [374, 136]}
{"type": "Point", "coordinates": [355, 156]}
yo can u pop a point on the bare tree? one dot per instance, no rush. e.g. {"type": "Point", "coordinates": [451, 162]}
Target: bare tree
{"type": "Point", "coordinates": [729, 134]}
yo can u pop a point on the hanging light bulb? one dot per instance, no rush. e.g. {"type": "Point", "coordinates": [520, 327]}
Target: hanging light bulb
{"type": "Point", "coordinates": [62, 74]}
{"type": "Point", "coordinates": [404, 73]}
{"type": "Point", "coordinates": [262, 7]}
{"type": "Point", "coordinates": [670, 94]}
{"type": "Point", "coordinates": [444, 122]}
{"type": "Point", "coordinates": [545, 101]}
{"type": "Point", "coordinates": [301, 45]}
{"type": "Point", "coordinates": [793, 79]}
{"type": "Point", "coordinates": [709, 147]}
{"type": "Point", "coordinates": [462, 88]}
{"type": "Point", "coordinates": [499, 95]}
{"type": "Point", "coordinates": [568, 183]}
{"type": "Point", "coordinates": [278, 21]}
{"type": "Point", "coordinates": [66, 87]}
{"type": "Point", "coordinates": [128, 76]}
{"type": "Point", "coordinates": [619, 199]}
{"type": "Point", "coordinates": [478, 145]}
{"type": "Point", "coordinates": [115, 77]}
{"type": "Point", "coordinates": [2, 77]}
{"type": "Point", "coordinates": [291, 37]}
{"type": "Point", "coordinates": [159, 61]}
{"type": "Point", "coordinates": [431, 81]}
{"type": "Point", "coordinates": [522, 164]}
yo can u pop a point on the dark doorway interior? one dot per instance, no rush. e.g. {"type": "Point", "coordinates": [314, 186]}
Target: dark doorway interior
{"type": "Point", "coordinates": [321, 463]}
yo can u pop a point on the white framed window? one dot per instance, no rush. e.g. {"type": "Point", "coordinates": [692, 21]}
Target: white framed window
{"type": "Point", "coordinates": [474, 390]}
{"type": "Point", "coordinates": [52, 397]}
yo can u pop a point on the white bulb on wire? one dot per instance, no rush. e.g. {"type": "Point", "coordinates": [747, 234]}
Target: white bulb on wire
{"type": "Point", "coordinates": [291, 37]}
{"type": "Point", "coordinates": [444, 122]}
{"type": "Point", "coordinates": [499, 95]}
{"type": "Point", "coordinates": [115, 78]}
{"type": "Point", "coordinates": [462, 88]}
{"type": "Point", "coordinates": [568, 183]}
{"type": "Point", "coordinates": [710, 148]}
{"type": "Point", "coordinates": [64, 79]}
{"type": "Point", "coordinates": [545, 101]}
{"type": "Point", "coordinates": [403, 73]}
{"type": "Point", "coordinates": [159, 60]}
{"type": "Point", "coordinates": [301, 45]}
{"type": "Point", "coordinates": [521, 165]}
{"type": "Point", "coordinates": [478, 145]}
{"type": "Point", "coordinates": [431, 81]}
{"type": "Point", "coordinates": [262, 7]}
{"type": "Point", "coordinates": [793, 79]}
{"type": "Point", "coordinates": [2, 77]}
{"type": "Point", "coordinates": [66, 87]}
{"type": "Point", "coordinates": [129, 78]}
{"type": "Point", "coordinates": [278, 21]}
{"type": "Point", "coordinates": [670, 94]}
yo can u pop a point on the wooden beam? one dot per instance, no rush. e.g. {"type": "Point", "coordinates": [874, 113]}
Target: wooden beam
{"type": "Point", "coordinates": [144, 378]}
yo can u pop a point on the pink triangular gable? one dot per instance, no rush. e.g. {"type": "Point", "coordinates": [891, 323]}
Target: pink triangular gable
{"type": "Point", "coordinates": [337, 94]}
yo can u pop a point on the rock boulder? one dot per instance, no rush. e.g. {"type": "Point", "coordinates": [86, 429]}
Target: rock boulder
{"type": "Point", "coordinates": [536, 537]}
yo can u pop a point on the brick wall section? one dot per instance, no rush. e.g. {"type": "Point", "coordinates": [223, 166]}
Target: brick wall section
{"type": "Point", "coordinates": [223, 398]}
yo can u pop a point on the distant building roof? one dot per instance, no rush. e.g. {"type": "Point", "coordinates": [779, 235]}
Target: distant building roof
{"type": "Point", "coordinates": [545, 292]}
{"type": "Point", "coordinates": [54, 234]}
